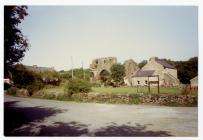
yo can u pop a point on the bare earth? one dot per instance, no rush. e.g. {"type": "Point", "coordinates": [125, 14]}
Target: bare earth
{"type": "Point", "coordinates": [37, 117]}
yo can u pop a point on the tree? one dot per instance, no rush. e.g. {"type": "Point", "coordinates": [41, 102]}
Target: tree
{"type": "Point", "coordinates": [24, 78]}
{"type": "Point", "coordinates": [118, 73]}
{"type": "Point", "coordinates": [104, 75]}
{"type": "Point", "coordinates": [15, 44]}
{"type": "Point", "coordinates": [21, 76]}
{"type": "Point", "coordinates": [187, 69]}
{"type": "Point", "coordinates": [142, 63]}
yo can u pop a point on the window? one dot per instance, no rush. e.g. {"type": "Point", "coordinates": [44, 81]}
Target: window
{"type": "Point", "coordinates": [146, 82]}
{"type": "Point", "coordinates": [138, 82]}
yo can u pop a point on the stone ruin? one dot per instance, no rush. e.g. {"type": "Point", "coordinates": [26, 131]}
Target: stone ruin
{"type": "Point", "coordinates": [104, 64]}
{"type": "Point", "coordinates": [130, 68]}
{"type": "Point", "coordinates": [101, 64]}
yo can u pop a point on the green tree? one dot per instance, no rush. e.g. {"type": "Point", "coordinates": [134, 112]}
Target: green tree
{"type": "Point", "coordinates": [187, 69]}
{"type": "Point", "coordinates": [118, 73]}
{"type": "Point", "coordinates": [24, 78]}
{"type": "Point", "coordinates": [15, 43]}
{"type": "Point", "coordinates": [142, 63]}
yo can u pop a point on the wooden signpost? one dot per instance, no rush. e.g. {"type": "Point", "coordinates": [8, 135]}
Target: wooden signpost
{"type": "Point", "coordinates": [153, 82]}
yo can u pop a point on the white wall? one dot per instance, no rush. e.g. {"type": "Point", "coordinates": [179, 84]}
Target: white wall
{"type": "Point", "coordinates": [194, 82]}
{"type": "Point", "coordinates": [127, 82]}
{"type": "Point", "coordinates": [153, 65]}
{"type": "Point", "coordinates": [141, 81]}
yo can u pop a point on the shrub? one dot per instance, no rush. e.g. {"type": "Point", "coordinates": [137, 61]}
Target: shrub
{"type": "Point", "coordinates": [22, 77]}
{"type": "Point", "coordinates": [185, 90]}
{"type": "Point", "coordinates": [27, 79]}
{"type": "Point", "coordinates": [77, 86]}
{"type": "Point", "coordinates": [12, 91]}
{"type": "Point", "coordinates": [35, 86]}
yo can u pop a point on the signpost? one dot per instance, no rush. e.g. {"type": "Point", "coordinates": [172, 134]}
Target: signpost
{"type": "Point", "coordinates": [154, 79]}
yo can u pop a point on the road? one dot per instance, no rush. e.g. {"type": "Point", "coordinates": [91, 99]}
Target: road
{"type": "Point", "coordinates": [38, 117]}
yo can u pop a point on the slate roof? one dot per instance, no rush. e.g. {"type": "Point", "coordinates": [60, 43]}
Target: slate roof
{"type": "Point", "coordinates": [144, 73]}
{"type": "Point", "coordinates": [164, 64]}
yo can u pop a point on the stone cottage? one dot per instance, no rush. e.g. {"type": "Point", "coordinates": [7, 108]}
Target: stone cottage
{"type": "Point", "coordinates": [194, 82]}
{"type": "Point", "coordinates": [166, 72]}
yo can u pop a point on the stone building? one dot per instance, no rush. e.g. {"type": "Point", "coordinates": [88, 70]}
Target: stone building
{"type": "Point", "coordinates": [166, 72]}
{"type": "Point", "coordinates": [130, 68]}
{"type": "Point", "coordinates": [194, 82]}
{"type": "Point", "coordinates": [100, 65]}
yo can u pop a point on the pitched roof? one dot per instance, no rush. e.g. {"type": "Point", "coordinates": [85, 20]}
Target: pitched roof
{"type": "Point", "coordinates": [164, 64]}
{"type": "Point", "coordinates": [144, 73]}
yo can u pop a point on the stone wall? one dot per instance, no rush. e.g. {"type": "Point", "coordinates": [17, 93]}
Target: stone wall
{"type": "Point", "coordinates": [100, 64]}
{"type": "Point", "coordinates": [169, 100]}
{"type": "Point", "coordinates": [167, 76]}
{"type": "Point", "coordinates": [130, 68]}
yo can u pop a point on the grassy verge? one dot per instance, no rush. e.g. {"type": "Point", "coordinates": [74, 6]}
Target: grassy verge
{"type": "Point", "coordinates": [119, 95]}
{"type": "Point", "coordinates": [135, 90]}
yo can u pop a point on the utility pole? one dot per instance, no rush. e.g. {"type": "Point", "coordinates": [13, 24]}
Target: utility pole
{"type": "Point", "coordinates": [72, 66]}
{"type": "Point", "coordinates": [83, 71]}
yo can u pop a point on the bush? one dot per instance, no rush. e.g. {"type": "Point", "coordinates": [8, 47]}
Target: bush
{"type": "Point", "coordinates": [77, 86]}
{"type": "Point", "coordinates": [29, 80]}
{"type": "Point", "coordinates": [185, 90]}
{"type": "Point", "coordinates": [35, 86]}
{"type": "Point", "coordinates": [12, 91]}
{"type": "Point", "coordinates": [22, 77]}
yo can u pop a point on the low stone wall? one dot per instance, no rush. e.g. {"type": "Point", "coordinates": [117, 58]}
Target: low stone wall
{"type": "Point", "coordinates": [171, 100]}
{"type": "Point", "coordinates": [182, 100]}
{"type": "Point", "coordinates": [162, 99]}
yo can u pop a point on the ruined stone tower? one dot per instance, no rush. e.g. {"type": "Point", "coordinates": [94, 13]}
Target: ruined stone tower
{"type": "Point", "coordinates": [130, 68]}
{"type": "Point", "coordinates": [101, 64]}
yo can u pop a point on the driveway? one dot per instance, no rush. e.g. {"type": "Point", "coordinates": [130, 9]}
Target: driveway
{"type": "Point", "coordinates": [38, 117]}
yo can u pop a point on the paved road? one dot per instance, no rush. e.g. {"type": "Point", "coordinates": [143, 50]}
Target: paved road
{"type": "Point", "coordinates": [36, 117]}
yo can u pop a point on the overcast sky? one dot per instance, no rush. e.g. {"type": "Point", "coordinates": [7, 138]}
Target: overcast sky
{"type": "Point", "coordinates": [56, 33]}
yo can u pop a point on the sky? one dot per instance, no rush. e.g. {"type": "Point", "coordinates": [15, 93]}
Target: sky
{"type": "Point", "coordinates": [57, 33]}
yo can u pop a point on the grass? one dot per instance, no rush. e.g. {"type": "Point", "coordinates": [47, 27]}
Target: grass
{"type": "Point", "coordinates": [118, 90]}
{"type": "Point", "coordinates": [55, 90]}
{"type": "Point", "coordinates": [135, 90]}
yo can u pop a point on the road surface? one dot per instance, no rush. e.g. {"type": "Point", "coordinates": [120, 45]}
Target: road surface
{"type": "Point", "coordinates": [38, 117]}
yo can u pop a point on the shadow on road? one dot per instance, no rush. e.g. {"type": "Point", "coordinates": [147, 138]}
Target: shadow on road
{"type": "Point", "coordinates": [129, 131]}
{"type": "Point", "coordinates": [64, 129]}
{"type": "Point", "coordinates": [15, 117]}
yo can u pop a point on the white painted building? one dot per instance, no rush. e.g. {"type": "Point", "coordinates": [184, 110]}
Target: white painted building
{"type": "Point", "coordinates": [194, 82]}
{"type": "Point", "coordinates": [166, 72]}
